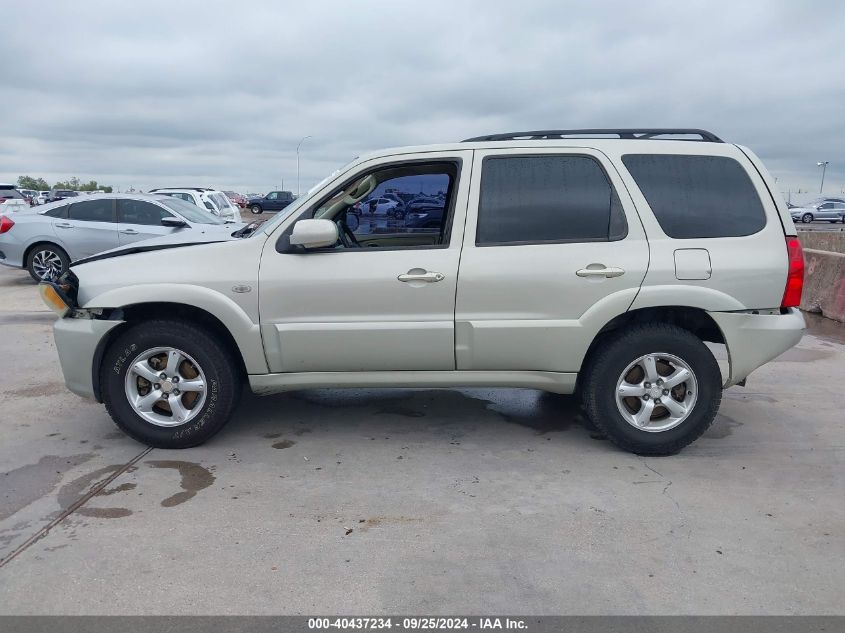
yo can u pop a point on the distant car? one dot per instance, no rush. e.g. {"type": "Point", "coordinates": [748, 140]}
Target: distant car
{"type": "Point", "coordinates": [214, 201]}
{"type": "Point", "coordinates": [11, 199]}
{"type": "Point", "coordinates": [384, 206]}
{"type": "Point", "coordinates": [425, 213]}
{"type": "Point", "coordinates": [42, 196]}
{"type": "Point", "coordinates": [60, 194]}
{"type": "Point", "coordinates": [44, 241]}
{"type": "Point", "coordinates": [29, 195]}
{"type": "Point", "coordinates": [273, 201]}
{"type": "Point", "coordinates": [825, 210]}
{"type": "Point", "coordinates": [237, 198]}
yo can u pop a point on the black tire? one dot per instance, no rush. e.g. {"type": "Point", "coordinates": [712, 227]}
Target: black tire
{"type": "Point", "coordinates": [255, 209]}
{"type": "Point", "coordinates": [617, 351]}
{"type": "Point", "coordinates": [47, 250]}
{"type": "Point", "coordinates": [807, 218]}
{"type": "Point", "coordinates": [221, 371]}
{"type": "Point", "coordinates": [398, 214]}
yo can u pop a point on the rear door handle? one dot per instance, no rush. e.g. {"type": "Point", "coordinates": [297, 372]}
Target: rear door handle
{"type": "Point", "coordinates": [600, 272]}
{"type": "Point", "coordinates": [129, 231]}
{"type": "Point", "coordinates": [429, 277]}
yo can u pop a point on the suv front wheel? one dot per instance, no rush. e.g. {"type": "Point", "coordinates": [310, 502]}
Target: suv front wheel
{"type": "Point", "coordinates": [652, 389]}
{"type": "Point", "coordinates": [169, 384]}
{"type": "Point", "coordinates": [255, 209]}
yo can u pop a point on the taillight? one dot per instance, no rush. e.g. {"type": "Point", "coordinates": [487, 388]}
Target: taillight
{"type": "Point", "coordinates": [795, 274]}
{"type": "Point", "coordinates": [5, 224]}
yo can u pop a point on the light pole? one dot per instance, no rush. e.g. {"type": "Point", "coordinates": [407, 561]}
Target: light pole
{"type": "Point", "coordinates": [823, 164]}
{"type": "Point", "coordinates": [297, 163]}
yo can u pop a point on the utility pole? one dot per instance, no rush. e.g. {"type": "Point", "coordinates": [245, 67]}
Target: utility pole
{"type": "Point", "coordinates": [823, 164]}
{"type": "Point", "coordinates": [297, 163]}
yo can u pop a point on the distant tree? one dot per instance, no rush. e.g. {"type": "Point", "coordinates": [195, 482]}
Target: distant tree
{"type": "Point", "coordinates": [28, 182]}
{"type": "Point", "coordinates": [72, 184]}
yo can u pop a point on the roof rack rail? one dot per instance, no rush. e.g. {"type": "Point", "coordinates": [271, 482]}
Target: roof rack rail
{"type": "Point", "coordinates": [183, 188]}
{"type": "Point", "coordinates": [627, 133]}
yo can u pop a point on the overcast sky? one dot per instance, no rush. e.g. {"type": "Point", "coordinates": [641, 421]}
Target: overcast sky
{"type": "Point", "coordinates": [158, 93]}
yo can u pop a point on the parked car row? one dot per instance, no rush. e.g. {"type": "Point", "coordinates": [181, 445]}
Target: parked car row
{"type": "Point", "coordinates": [45, 240]}
{"type": "Point", "coordinates": [216, 202]}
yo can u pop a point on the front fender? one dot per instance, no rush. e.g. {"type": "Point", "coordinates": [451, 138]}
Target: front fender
{"type": "Point", "coordinates": [246, 333]}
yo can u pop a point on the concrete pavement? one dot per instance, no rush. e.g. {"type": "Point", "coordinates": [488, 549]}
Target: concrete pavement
{"type": "Point", "coordinates": [418, 501]}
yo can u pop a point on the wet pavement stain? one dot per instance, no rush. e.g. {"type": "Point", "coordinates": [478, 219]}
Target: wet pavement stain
{"type": "Point", "coordinates": [29, 483]}
{"type": "Point", "coordinates": [74, 491]}
{"type": "Point", "coordinates": [271, 436]}
{"type": "Point", "coordinates": [37, 391]}
{"type": "Point", "coordinates": [403, 411]}
{"type": "Point", "coordinates": [194, 479]}
{"type": "Point", "coordinates": [749, 397]}
{"type": "Point", "coordinates": [721, 427]}
{"type": "Point", "coordinates": [284, 444]}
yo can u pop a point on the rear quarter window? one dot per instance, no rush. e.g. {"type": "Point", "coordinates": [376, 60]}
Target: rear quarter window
{"type": "Point", "coordinates": [698, 196]}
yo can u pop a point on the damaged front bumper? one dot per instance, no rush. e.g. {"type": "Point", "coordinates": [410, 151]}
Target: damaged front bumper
{"type": "Point", "coordinates": [80, 343]}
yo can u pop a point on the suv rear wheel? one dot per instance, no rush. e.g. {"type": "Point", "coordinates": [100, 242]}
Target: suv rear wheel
{"type": "Point", "coordinates": [47, 262]}
{"type": "Point", "coordinates": [652, 389]}
{"type": "Point", "coordinates": [169, 384]}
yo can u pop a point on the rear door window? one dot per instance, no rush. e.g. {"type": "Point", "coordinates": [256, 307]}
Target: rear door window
{"type": "Point", "coordinates": [92, 211]}
{"type": "Point", "coordinates": [546, 199]}
{"type": "Point", "coordinates": [698, 196]}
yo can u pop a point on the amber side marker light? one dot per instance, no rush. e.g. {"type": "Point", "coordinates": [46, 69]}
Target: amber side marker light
{"type": "Point", "coordinates": [53, 298]}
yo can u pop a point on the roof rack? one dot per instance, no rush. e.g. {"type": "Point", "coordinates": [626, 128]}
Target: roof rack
{"type": "Point", "coordinates": [627, 133]}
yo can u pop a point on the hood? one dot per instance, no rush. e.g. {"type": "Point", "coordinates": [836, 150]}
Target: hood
{"type": "Point", "coordinates": [198, 234]}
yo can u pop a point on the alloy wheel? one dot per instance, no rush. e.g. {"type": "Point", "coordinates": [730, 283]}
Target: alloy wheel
{"type": "Point", "coordinates": [656, 392]}
{"type": "Point", "coordinates": [165, 386]}
{"type": "Point", "coordinates": [47, 265]}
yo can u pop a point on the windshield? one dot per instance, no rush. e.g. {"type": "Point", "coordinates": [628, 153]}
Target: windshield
{"type": "Point", "coordinates": [220, 201]}
{"type": "Point", "coordinates": [191, 212]}
{"type": "Point", "coordinates": [298, 203]}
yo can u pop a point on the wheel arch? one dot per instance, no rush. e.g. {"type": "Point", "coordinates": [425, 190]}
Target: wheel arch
{"type": "Point", "coordinates": [41, 242]}
{"type": "Point", "coordinates": [695, 320]}
{"type": "Point", "coordinates": [140, 312]}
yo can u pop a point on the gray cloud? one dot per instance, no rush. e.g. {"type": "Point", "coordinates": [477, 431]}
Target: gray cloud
{"type": "Point", "coordinates": [162, 93]}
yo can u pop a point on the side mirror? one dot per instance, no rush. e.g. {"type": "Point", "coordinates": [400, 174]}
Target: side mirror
{"type": "Point", "coordinates": [314, 233]}
{"type": "Point", "coordinates": [173, 223]}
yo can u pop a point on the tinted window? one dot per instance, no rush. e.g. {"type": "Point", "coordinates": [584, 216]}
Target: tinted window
{"type": "Point", "coordinates": [535, 199]}
{"type": "Point", "coordinates": [140, 212]}
{"type": "Point", "coordinates": [58, 212]}
{"type": "Point", "coordinates": [698, 196]}
{"type": "Point", "coordinates": [93, 211]}
{"type": "Point", "coordinates": [10, 193]}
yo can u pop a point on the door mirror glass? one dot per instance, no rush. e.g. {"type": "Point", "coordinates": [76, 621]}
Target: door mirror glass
{"type": "Point", "coordinates": [314, 233]}
{"type": "Point", "coordinates": [173, 223]}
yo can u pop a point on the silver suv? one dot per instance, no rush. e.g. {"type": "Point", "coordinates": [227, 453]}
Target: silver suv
{"type": "Point", "coordinates": [601, 262]}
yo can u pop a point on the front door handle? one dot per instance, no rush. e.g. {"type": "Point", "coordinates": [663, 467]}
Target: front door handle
{"type": "Point", "coordinates": [63, 225]}
{"type": "Point", "coordinates": [429, 277]}
{"type": "Point", "coordinates": [129, 231]}
{"type": "Point", "coordinates": [606, 272]}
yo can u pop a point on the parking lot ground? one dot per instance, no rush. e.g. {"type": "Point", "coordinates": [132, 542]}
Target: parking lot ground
{"type": "Point", "coordinates": [418, 501]}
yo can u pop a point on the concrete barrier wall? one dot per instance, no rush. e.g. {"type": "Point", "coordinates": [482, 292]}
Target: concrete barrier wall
{"type": "Point", "coordinates": [824, 283]}
{"type": "Point", "coordinates": [833, 241]}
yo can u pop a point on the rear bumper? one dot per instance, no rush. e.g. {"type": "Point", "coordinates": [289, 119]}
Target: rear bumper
{"type": "Point", "coordinates": [78, 343]}
{"type": "Point", "coordinates": [755, 339]}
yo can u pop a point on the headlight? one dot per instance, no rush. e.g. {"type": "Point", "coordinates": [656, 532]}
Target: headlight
{"type": "Point", "coordinates": [54, 298]}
